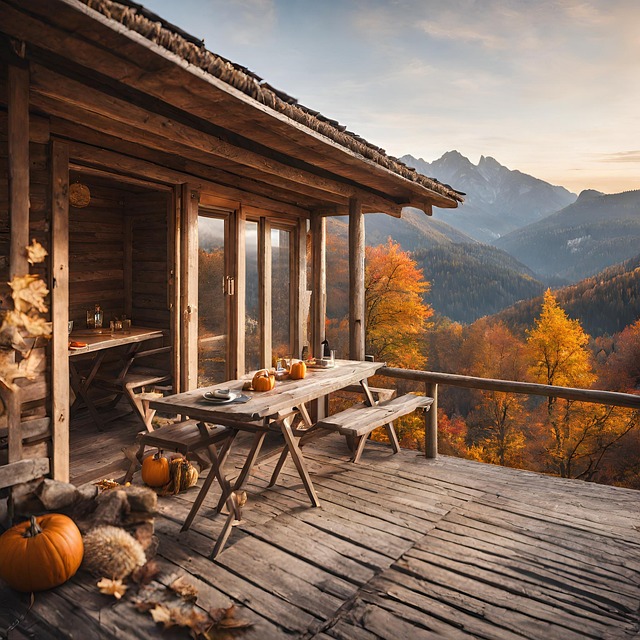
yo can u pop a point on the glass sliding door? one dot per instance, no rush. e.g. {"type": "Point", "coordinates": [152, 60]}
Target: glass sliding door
{"type": "Point", "coordinates": [212, 305]}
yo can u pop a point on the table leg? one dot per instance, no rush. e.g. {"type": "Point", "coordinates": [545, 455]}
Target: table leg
{"type": "Point", "coordinates": [258, 439]}
{"type": "Point", "coordinates": [81, 386]}
{"type": "Point", "coordinates": [298, 460]}
{"type": "Point", "coordinates": [306, 418]}
{"type": "Point", "coordinates": [217, 460]}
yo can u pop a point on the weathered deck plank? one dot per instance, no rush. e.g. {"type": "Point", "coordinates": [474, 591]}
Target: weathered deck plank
{"type": "Point", "coordinates": [401, 547]}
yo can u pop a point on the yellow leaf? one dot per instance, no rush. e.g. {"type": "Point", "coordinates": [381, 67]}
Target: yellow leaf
{"type": "Point", "coordinates": [113, 588]}
{"type": "Point", "coordinates": [35, 252]}
{"type": "Point", "coordinates": [185, 590]}
{"type": "Point", "coordinates": [29, 294]}
{"type": "Point", "coordinates": [162, 614]}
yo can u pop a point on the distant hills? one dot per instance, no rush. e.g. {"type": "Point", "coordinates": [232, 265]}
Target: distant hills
{"type": "Point", "coordinates": [469, 281]}
{"type": "Point", "coordinates": [605, 303]}
{"type": "Point", "coordinates": [580, 240]}
{"type": "Point", "coordinates": [498, 199]}
{"type": "Point", "coordinates": [554, 239]}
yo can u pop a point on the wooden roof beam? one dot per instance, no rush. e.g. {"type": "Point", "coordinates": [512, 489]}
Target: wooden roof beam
{"type": "Point", "coordinates": [50, 85]}
{"type": "Point", "coordinates": [94, 157]}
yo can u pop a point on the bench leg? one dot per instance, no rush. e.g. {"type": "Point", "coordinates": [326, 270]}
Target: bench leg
{"type": "Point", "coordinates": [393, 437]}
{"type": "Point", "coordinates": [135, 460]}
{"type": "Point", "coordinates": [360, 448]}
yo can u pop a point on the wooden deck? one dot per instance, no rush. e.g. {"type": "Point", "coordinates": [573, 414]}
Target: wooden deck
{"type": "Point", "coordinates": [402, 547]}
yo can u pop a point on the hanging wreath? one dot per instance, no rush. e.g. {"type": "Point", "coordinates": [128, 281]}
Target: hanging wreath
{"type": "Point", "coordinates": [79, 195]}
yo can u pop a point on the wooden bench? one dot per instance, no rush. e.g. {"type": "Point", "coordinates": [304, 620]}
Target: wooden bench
{"type": "Point", "coordinates": [187, 438]}
{"type": "Point", "coordinates": [359, 421]}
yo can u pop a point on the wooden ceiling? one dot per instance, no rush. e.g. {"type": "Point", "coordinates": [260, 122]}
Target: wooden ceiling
{"type": "Point", "coordinates": [111, 92]}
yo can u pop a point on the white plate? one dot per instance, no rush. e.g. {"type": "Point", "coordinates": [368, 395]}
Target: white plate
{"type": "Point", "coordinates": [211, 398]}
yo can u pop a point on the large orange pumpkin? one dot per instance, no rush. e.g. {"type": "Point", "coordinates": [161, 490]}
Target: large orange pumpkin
{"type": "Point", "coordinates": [263, 381]}
{"type": "Point", "coordinates": [298, 370]}
{"type": "Point", "coordinates": [155, 470]}
{"type": "Point", "coordinates": [41, 553]}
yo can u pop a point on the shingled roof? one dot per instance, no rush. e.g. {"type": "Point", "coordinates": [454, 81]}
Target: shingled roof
{"type": "Point", "coordinates": [137, 18]}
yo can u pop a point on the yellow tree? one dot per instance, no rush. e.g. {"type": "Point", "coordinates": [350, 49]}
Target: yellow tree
{"type": "Point", "coordinates": [395, 312]}
{"type": "Point", "coordinates": [581, 434]}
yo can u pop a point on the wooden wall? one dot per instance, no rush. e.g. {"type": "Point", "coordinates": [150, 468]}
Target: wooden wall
{"type": "Point", "coordinates": [96, 254]}
{"type": "Point", "coordinates": [149, 259]}
{"type": "Point", "coordinates": [118, 254]}
{"type": "Point", "coordinates": [35, 394]}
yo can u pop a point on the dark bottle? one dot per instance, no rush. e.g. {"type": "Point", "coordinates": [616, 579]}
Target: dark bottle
{"type": "Point", "coordinates": [324, 346]}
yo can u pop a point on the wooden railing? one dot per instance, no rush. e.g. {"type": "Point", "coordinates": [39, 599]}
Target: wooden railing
{"type": "Point", "coordinates": [432, 379]}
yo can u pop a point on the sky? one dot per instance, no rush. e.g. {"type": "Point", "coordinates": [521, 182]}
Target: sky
{"type": "Point", "coordinates": [548, 87]}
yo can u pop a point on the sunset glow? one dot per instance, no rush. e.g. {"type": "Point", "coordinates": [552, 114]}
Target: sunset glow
{"type": "Point", "coordinates": [549, 87]}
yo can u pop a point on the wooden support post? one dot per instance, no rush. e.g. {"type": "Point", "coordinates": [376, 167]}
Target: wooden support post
{"type": "Point", "coordinates": [127, 283]}
{"type": "Point", "coordinates": [300, 302]}
{"type": "Point", "coordinates": [10, 396]}
{"type": "Point", "coordinates": [60, 309]}
{"type": "Point", "coordinates": [189, 293]}
{"type": "Point", "coordinates": [431, 422]}
{"type": "Point", "coordinates": [356, 280]}
{"type": "Point", "coordinates": [174, 207]}
{"type": "Point", "coordinates": [264, 291]}
{"type": "Point", "coordinates": [319, 275]}
{"type": "Point", "coordinates": [235, 250]}
{"type": "Point", "coordinates": [18, 144]}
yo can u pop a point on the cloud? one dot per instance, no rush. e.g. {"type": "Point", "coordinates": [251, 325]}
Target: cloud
{"type": "Point", "coordinates": [252, 20]}
{"type": "Point", "coordinates": [621, 156]}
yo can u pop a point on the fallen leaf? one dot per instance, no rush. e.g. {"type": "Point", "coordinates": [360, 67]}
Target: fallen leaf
{"type": "Point", "coordinates": [190, 617]}
{"type": "Point", "coordinates": [184, 589]}
{"type": "Point", "coordinates": [113, 588]}
{"type": "Point", "coordinates": [146, 573]}
{"type": "Point", "coordinates": [161, 613]}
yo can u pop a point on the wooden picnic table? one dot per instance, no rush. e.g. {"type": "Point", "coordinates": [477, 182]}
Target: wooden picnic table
{"type": "Point", "coordinates": [98, 344]}
{"type": "Point", "coordinates": [262, 412]}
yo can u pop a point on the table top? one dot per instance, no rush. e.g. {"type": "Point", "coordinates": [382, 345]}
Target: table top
{"type": "Point", "coordinates": [107, 340]}
{"type": "Point", "coordinates": [262, 404]}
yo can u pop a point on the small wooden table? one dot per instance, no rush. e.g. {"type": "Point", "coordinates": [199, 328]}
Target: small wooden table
{"type": "Point", "coordinates": [98, 345]}
{"type": "Point", "coordinates": [266, 411]}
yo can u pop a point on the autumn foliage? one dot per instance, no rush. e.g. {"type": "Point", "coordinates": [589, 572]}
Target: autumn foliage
{"type": "Point", "coordinates": [565, 438]}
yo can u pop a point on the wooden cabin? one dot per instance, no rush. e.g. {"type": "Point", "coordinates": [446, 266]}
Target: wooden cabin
{"type": "Point", "coordinates": [177, 189]}
{"type": "Point", "coordinates": [190, 161]}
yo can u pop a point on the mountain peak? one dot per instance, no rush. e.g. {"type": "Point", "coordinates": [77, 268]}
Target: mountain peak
{"type": "Point", "coordinates": [589, 194]}
{"type": "Point", "coordinates": [488, 161]}
{"type": "Point", "coordinates": [498, 200]}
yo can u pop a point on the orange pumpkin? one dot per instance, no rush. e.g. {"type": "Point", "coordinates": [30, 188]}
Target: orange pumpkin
{"type": "Point", "coordinates": [263, 381]}
{"type": "Point", "coordinates": [298, 370]}
{"type": "Point", "coordinates": [41, 553]}
{"type": "Point", "coordinates": [155, 470]}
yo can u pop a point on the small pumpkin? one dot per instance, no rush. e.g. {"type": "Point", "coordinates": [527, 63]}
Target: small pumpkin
{"type": "Point", "coordinates": [298, 370]}
{"type": "Point", "coordinates": [155, 470]}
{"type": "Point", "coordinates": [40, 554]}
{"type": "Point", "coordinates": [263, 381]}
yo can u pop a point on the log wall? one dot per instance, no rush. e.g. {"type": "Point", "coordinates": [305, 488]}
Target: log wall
{"type": "Point", "coordinates": [150, 265]}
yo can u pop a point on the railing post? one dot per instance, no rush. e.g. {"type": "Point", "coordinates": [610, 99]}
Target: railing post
{"type": "Point", "coordinates": [431, 422]}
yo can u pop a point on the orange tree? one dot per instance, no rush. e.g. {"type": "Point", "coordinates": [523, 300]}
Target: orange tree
{"type": "Point", "coordinates": [496, 421]}
{"type": "Point", "coordinates": [396, 318]}
{"type": "Point", "coordinates": [395, 312]}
